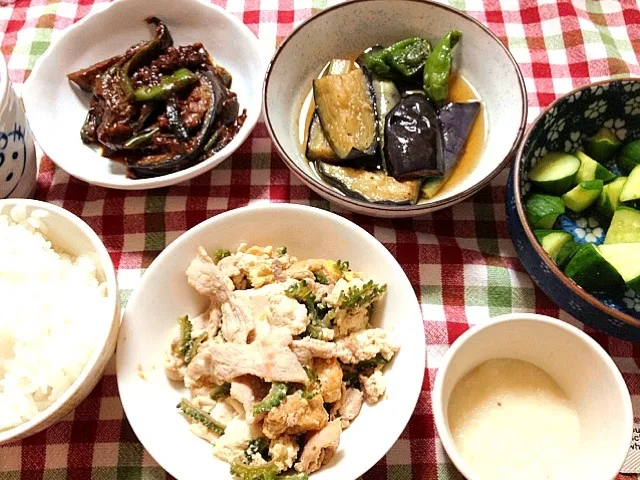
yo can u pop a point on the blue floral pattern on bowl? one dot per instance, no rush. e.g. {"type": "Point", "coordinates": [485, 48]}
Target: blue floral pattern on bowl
{"type": "Point", "coordinates": [615, 105]}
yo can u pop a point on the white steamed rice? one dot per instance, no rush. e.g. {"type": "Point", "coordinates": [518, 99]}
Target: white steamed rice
{"type": "Point", "coordinates": [49, 308]}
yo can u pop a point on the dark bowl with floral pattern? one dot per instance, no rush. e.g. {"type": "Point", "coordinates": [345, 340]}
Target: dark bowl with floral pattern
{"type": "Point", "coordinates": [562, 127]}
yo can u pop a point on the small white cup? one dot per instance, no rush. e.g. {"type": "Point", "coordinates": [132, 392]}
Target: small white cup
{"type": "Point", "coordinates": [18, 167]}
{"type": "Point", "coordinates": [574, 360]}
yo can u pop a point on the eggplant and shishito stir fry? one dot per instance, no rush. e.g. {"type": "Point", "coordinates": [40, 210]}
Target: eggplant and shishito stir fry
{"type": "Point", "coordinates": [159, 108]}
{"type": "Point", "coordinates": [383, 130]}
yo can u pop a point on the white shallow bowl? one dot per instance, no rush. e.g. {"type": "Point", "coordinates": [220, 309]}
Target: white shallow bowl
{"type": "Point", "coordinates": [574, 360]}
{"type": "Point", "coordinates": [72, 235]}
{"type": "Point", "coordinates": [348, 28]}
{"type": "Point", "coordinates": [150, 319]}
{"type": "Point", "coordinates": [56, 110]}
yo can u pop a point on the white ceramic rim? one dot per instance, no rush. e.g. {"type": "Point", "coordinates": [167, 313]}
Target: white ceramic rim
{"type": "Point", "coordinates": [112, 295]}
{"type": "Point", "coordinates": [436, 397]}
{"type": "Point", "coordinates": [413, 390]}
{"type": "Point", "coordinates": [376, 209]}
{"type": "Point", "coordinates": [253, 111]}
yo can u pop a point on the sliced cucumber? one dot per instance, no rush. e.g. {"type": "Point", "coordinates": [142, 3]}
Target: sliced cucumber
{"type": "Point", "coordinates": [591, 271]}
{"type": "Point", "coordinates": [621, 256]}
{"type": "Point", "coordinates": [629, 156]}
{"type": "Point", "coordinates": [543, 210]}
{"type": "Point", "coordinates": [625, 226]}
{"type": "Point", "coordinates": [566, 253]}
{"type": "Point", "coordinates": [582, 196]}
{"type": "Point", "coordinates": [552, 241]}
{"type": "Point", "coordinates": [592, 170]}
{"type": "Point", "coordinates": [609, 198]}
{"type": "Point", "coordinates": [631, 189]}
{"type": "Point", "coordinates": [603, 145]}
{"type": "Point", "coordinates": [555, 172]}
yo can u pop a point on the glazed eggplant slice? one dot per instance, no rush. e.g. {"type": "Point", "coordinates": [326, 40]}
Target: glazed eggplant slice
{"type": "Point", "coordinates": [413, 145]}
{"type": "Point", "coordinates": [318, 147]}
{"type": "Point", "coordinates": [155, 165]}
{"type": "Point", "coordinates": [456, 121]}
{"type": "Point", "coordinates": [387, 97]}
{"type": "Point", "coordinates": [375, 187]}
{"type": "Point", "coordinates": [346, 107]}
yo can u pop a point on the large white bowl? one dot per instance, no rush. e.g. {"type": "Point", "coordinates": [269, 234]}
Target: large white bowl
{"type": "Point", "coordinates": [56, 110]}
{"type": "Point", "coordinates": [72, 235]}
{"type": "Point", "coordinates": [150, 319]}
{"type": "Point", "coordinates": [574, 360]}
{"type": "Point", "coordinates": [348, 28]}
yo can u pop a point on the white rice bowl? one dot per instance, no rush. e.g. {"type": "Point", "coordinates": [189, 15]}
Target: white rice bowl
{"type": "Point", "coordinates": [55, 313]}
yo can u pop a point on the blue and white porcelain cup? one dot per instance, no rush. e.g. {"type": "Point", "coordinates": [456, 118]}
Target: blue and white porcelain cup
{"type": "Point", "coordinates": [18, 166]}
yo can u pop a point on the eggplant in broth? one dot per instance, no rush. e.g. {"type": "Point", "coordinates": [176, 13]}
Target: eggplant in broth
{"type": "Point", "coordinates": [391, 127]}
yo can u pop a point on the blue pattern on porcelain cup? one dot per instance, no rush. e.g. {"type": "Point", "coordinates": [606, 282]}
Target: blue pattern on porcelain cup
{"type": "Point", "coordinates": [18, 167]}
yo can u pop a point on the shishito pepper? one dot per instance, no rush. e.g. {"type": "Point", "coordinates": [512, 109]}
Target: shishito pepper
{"type": "Point", "coordinates": [405, 58]}
{"type": "Point", "coordinates": [438, 67]}
{"type": "Point", "coordinates": [141, 140]}
{"type": "Point", "coordinates": [150, 50]}
{"type": "Point", "coordinates": [178, 80]}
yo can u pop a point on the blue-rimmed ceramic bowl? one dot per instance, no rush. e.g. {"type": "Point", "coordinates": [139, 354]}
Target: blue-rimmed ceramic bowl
{"type": "Point", "coordinates": [562, 127]}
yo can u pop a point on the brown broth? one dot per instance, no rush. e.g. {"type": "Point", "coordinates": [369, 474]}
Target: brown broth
{"type": "Point", "coordinates": [460, 90]}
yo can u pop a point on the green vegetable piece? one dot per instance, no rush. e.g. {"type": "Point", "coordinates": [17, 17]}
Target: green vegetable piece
{"type": "Point", "coordinates": [178, 80]}
{"type": "Point", "coordinates": [321, 278]}
{"type": "Point", "coordinates": [438, 67]}
{"type": "Point", "coordinates": [552, 241]}
{"type": "Point", "coordinates": [582, 196]}
{"type": "Point", "coordinates": [543, 210]}
{"type": "Point", "coordinates": [192, 348]}
{"type": "Point", "coordinates": [589, 269]}
{"type": "Point", "coordinates": [142, 140]}
{"type": "Point", "coordinates": [625, 226]}
{"type": "Point", "coordinates": [221, 392]}
{"type": "Point", "coordinates": [200, 416]}
{"type": "Point", "coordinates": [143, 55]}
{"type": "Point", "coordinates": [257, 447]}
{"type": "Point", "coordinates": [313, 380]}
{"type": "Point", "coordinates": [343, 266]}
{"type": "Point", "coordinates": [619, 255]}
{"type": "Point", "coordinates": [405, 58]}
{"type": "Point", "coordinates": [276, 394]}
{"type": "Point", "coordinates": [282, 250]}
{"type": "Point", "coordinates": [629, 156]}
{"type": "Point", "coordinates": [213, 139]}
{"type": "Point", "coordinates": [631, 189]}
{"type": "Point", "coordinates": [603, 145]}
{"type": "Point", "coordinates": [592, 170]}
{"type": "Point", "coordinates": [293, 476]}
{"type": "Point", "coordinates": [357, 297]}
{"type": "Point", "coordinates": [185, 334]}
{"type": "Point", "coordinates": [609, 198]}
{"type": "Point", "coordinates": [555, 172]}
{"type": "Point", "coordinates": [300, 291]}
{"type": "Point", "coordinates": [220, 254]}
{"type": "Point", "coordinates": [311, 374]}
{"type": "Point", "coordinates": [268, 471]}
{"type": "Point", "coordinates": [376, 361]}
{"type": "Point", "coordinates": [566, 253]}
{"type": "Point", "coordinates": [320, 315]}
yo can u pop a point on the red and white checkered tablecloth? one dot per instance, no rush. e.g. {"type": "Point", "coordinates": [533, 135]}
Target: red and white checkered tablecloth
{"type": "Point", "coordinates": [460, 261]}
